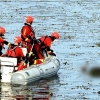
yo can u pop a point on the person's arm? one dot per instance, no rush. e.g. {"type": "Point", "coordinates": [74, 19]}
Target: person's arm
{"type": "Point", "coordinates": [6, 42]}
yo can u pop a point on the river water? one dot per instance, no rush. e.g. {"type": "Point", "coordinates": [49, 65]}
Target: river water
{"type": "Point", "coordinates": [78, 23]}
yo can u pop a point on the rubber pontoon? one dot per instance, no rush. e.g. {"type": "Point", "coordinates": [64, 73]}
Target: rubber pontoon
{"type": "Point", "coordinates": [48, 68]}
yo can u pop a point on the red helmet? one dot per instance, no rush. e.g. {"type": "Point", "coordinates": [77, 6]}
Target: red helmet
{"type": "Point", "coordinates": [2, 30]}
{"type": "Point", "coordinates": [29, 19]}
{"type": "Point", "coordinates": [17, 39]}
{"type": "Point", "coordinates": [55, 34]}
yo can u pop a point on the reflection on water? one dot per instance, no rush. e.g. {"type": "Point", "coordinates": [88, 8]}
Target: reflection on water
{"type": "Point", "coordinates": [39, 90]}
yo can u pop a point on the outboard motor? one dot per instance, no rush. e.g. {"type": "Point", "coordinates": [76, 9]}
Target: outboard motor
{"type": "Point", "coordinates": [8, 66]}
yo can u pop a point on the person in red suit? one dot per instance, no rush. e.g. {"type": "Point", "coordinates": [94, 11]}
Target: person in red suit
{"type": "Point", "coordinates": [15, 51]}
{"type": "Point", "coordinates": [2, 41]}
{"type": "Point", "coordinates": [43, 43]}
{"type": "Point", "coordinates": [46, 42]}
{"type": "Point", "coordinates": [27, 33]}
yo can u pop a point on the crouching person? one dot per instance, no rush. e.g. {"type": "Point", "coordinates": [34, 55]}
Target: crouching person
{"type": "Point", "coordinates": [14, 50]}
{"type": "Point", "coordinates": [43, 44]}
{"type": "Point", "coordinates": [46, 42]}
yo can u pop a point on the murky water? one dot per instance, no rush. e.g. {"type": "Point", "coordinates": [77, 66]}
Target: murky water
{"type": "Point", "coordinates": [78, 23]}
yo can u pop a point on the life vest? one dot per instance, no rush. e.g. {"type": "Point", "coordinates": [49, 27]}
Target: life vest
{"type": "Point", "coordinates": [42, 39]}
{"type": "Point", "coordinates": [46, 42]}
{"type": "Point", "coordinates": [30, 35]}
{"type": "Point", "coordinates": [11, 51]}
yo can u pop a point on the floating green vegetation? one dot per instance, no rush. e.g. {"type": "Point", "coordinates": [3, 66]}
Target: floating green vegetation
{"type": "Point", "coordinates": [98, 44]}
{"type": "Point", "coordinates": [95, 72]}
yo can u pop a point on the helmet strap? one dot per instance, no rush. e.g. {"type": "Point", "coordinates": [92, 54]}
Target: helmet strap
{"type": "Point", "coordinates": [53, 38]}
{"type": "Point", "coordinates": [31, 22]}
{"type": "Point", "coordinates": [1, 34]}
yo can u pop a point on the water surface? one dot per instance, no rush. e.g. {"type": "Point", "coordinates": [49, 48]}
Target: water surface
{"type": "Point", "coordinates": [79, 28]}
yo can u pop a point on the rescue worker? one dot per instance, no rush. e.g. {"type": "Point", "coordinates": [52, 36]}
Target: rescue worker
{"type": "Point", "coordinates": [46, 42]}
{"type": "Point", "coordinates": [14, 50]}
{"type": "Point", "coordinates": [43, 44]}
{"type": "Point", "coordinates": [2, 41]}
{"type": "Point", "coordinates": [27, 33]}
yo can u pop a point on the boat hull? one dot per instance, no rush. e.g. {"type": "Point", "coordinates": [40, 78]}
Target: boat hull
{"type": "Point", "coordinates": [49, 68]}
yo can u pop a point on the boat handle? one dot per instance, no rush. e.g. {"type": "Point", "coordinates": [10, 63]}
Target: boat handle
{"type": "Point", "coordinates": [49, 68]}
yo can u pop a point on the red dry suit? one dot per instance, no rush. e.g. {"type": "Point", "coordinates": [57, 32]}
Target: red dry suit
{"type": "Point", "coordinates": [16, 52]}
{"type": "Point", "coordinates": [28, 33]}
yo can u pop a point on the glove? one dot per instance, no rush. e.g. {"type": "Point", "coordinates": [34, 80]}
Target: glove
{"type": "Point", "coordinates": [48, 49]}
{"type": "Point", "coordinates": [53, 54]}
{"type": "Point", "coordinates": [9, 44]}
{"type": "Point", "coordinates": [30, 53]}
{"type": "Point", "coordinates": [51, 50]}
{"type": "Point", "coordinates": [26, 39]}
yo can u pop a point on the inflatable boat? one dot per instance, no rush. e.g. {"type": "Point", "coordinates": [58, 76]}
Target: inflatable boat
{"type": "Point", "coordinates": [32, 73]}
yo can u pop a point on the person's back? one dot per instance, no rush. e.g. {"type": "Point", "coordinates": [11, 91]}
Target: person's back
{"type": "Point", "coordinates": [15, 51]}
{"type": "Point", "coordinates": [46, 41]}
